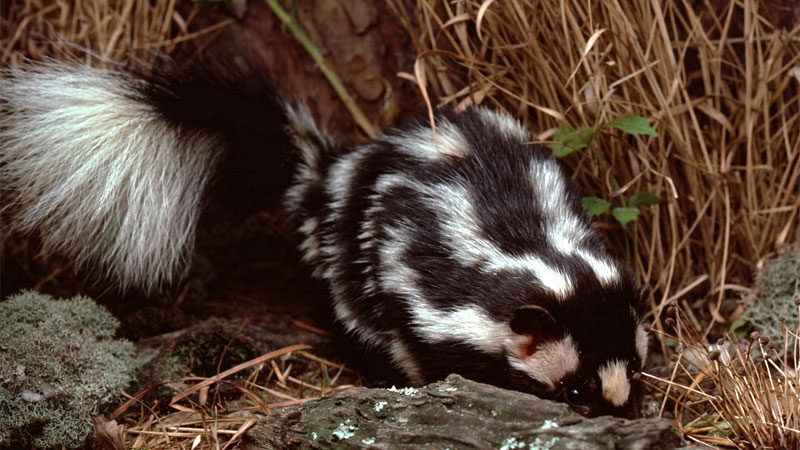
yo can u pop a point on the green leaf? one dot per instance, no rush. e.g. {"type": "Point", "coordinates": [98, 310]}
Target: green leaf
{"type": "Point", "coordinates": [722, 429]}
{"type": "Point", "coordinates": [706, 420]}
{"type": "Point", "coordinates": [741, 328]}
{"type": "Point", "coordinates": [566, 141]}
{"type": "Point", "coordinates": [325, 373]}
{"type": "Point", "coordinates": [644, 198]}
{"type": "Point", "coordinates": [558, 149]}
{"type": "Point", "coordinates": [633, 124]}
{"type": "Point", "coordinates": [668, 342]}
{"type": "Point", "coordinates": [625, 215]}
{"type": "Point", "coordinates": [595, 206]}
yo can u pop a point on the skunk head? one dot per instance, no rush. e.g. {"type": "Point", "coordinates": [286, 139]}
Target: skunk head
{"type": "Point", "coordinates": [585, 350]}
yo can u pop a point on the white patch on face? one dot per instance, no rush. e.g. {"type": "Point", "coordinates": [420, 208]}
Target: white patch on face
{"type": "Point", "coordinates": [420, 143]}
{"type": "Point", "coordinates": [403, 359]}
{"type": "Point", "coordinates": [504, 123]}
{"type": "Point", "coordinates": [461, 232]}
{"type": "Point", "coordinates": [641, 343]}
{"type": "Point", "coordinates": [614, 378]}
{"type": "Point", "coordinates": [551, 362]}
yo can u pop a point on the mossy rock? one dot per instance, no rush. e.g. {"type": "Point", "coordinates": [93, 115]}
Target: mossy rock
{"type": "Point", "coordinates": [59, 363]}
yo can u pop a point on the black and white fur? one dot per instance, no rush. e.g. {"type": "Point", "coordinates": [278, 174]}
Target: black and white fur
{"type": "Point", "coordinates": [468, 251]}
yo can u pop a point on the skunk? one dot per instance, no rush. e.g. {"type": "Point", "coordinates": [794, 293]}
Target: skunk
{"type": "Point", "coordinates": [459, 248]}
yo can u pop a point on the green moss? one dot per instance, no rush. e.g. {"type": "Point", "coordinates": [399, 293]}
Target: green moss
{"type": "Point", "coordinates": [778, 283]}
{"type": "Point", "coordinates": [172, 367]}
{"type": "Point", "coordinates": [58, 364]}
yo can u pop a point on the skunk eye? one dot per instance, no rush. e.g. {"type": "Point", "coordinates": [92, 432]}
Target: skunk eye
{"type": "Point", "coordinates": [575, 397]}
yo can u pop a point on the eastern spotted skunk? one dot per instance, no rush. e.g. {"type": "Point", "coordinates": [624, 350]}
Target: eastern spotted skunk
{"type": "Point", "coordinates": [466, 252]}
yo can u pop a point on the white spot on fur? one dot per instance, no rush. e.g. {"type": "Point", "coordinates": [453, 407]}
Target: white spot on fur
{"type": "Point", "coordinates": [100, 173]}
{"type": "Point", "coordinates": [302, 127]}
{"type": "Point", "coordinates": [358, 328]}
{"type": "Point", "coordinates": [419, 142]}
{"type": "Point", "coordinates": [504, 123]}
{"type": "Point", "coordinates": [310, 245]}
{"type": "Point", "coordinates": [551, 362]}
{"type": "Point", "coordinates": [614, 378]}
{"type": "Point", "coordinates": [397, 277]}
{"type": "Point", "coordinates": [468, 324]}
{"type": "Point", "coordinates": [641, 343]}
{"type": "Point", "coordinates": [565, 230]}
{"type": "Point", "coordinates": [461, 231]}
{"type": "Point", "coordinates": [603, 269]}
{"type": "Point", "coordinates": [339, 181]}
{"type": "Point", "coordinates": [311, 142]}
{"type": "Point", "coordinates": [550, 188]}
{"type": "Point", "coordinates": [338, 185]}
{"type": "Point", "coordinates": [402, 358]}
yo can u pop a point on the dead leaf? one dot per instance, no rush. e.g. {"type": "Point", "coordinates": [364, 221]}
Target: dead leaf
{"type": "Point", "coordinates": [106, 433]}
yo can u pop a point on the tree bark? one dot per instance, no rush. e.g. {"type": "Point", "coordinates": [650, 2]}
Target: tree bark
{"type": "Point", "coordinates": [452, 414]}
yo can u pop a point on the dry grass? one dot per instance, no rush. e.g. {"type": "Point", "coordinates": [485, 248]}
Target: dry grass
{"type": "Point", "coordinates": [745, 394]}
{"type": "Point", "coordinates": [721, 87]}
{"type": "Point", "coordinates": [197, 418]}
{"type": "Point", "coordinates": [133, 32]}
{"type": "Point", "coordinates": [95, 32]}
{"type": "Point", "coordinates": [720, 82]}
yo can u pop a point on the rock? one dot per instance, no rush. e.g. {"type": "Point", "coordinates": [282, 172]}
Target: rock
{"type": "Point", "coordinates": [455, 414]}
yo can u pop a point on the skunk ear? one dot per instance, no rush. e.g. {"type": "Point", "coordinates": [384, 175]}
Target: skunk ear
{"type": "Point", "coordinates": [534, 321]}
{"type": "Point", "coordinates": [641, 302]}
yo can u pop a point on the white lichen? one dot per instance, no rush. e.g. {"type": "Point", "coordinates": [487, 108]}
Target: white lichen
{"type": "Point", "coordinates": [344, 431]}
{"type": "Point", "coordinates": [379, 406]}
{"type": "Point", "coordinates": [539, 444]}
{"type": "Point", "coordinates": [409, 391]}
{"type": "Point", "coordinates": [548, 424]}
{"type": "Point", "coordinates": [511, 443]}
{"type": "Point", "coordinates": [368, 441]}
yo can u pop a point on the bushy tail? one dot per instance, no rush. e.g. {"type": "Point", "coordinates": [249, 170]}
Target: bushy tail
{"type": "Point", "coordinates": [111, 169]}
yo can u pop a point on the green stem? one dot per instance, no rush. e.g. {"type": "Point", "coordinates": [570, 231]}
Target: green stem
{"type": "Point", "coordinates": [627, 241]}
{"type": "Point", "coordinates": [604, 167]}
{"type": "Point", "coordinates": [316, 55]}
